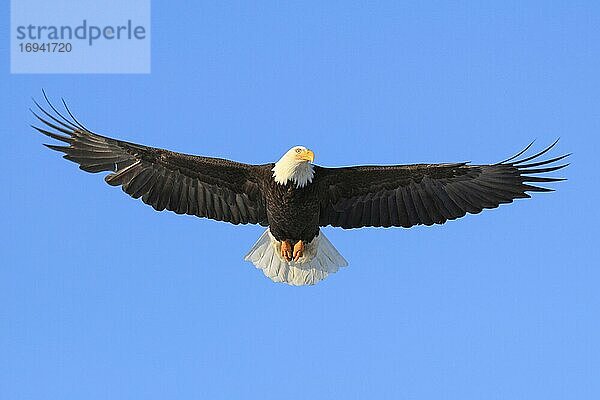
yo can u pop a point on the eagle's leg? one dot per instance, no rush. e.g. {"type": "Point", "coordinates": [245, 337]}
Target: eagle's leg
{"type": "Point", "coordinates": [286, 250]}
{"type": "Point", "coordinates": [298, 250]}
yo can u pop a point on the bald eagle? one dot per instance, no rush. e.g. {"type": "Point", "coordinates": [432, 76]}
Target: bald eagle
{"type": "Point", "coordinates": [293, 197]}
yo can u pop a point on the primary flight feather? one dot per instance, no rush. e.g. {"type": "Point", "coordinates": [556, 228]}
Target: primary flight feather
{"type": "Point", "coordinates": [293, 197]}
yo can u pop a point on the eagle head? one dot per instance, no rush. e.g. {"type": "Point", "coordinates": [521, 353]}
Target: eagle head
{"type": "Point", "coordinates": [296, 166]}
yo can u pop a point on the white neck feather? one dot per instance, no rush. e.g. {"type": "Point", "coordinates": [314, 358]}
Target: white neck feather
{"type": "Point", "coordinates": [287, 169]}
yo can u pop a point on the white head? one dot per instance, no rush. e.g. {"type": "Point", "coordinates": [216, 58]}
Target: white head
{"type": "Point", "coordinates": [295, 166]}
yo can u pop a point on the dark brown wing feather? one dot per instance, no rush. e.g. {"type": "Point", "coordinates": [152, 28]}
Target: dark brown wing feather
{"type": "Point", "coordinates": [215, 188]}
{"type": "Point", "coordinates": [408, 195]}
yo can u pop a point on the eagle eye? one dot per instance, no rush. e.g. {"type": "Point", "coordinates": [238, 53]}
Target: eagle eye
{"type": "Point", "coordinates": [298, 150]}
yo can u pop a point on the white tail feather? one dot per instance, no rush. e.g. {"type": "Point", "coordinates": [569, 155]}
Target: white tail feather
{"type": "Point", "coordinates": [319, 260]}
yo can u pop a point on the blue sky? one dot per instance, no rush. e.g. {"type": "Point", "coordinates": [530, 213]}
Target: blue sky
{"type": "Point", "coordinates": [102, 297]}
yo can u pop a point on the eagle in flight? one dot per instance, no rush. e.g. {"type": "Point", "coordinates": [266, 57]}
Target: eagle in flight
{"type": "Point", "coordinates": [293, 197]}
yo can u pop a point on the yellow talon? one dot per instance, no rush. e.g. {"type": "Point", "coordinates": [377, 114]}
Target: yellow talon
{"type": "Point", "coordinates": [286, 250]}
{"type": "Point", "coordinates": [298, 250]}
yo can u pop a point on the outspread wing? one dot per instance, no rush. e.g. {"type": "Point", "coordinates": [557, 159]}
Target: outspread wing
{"type": "Point", "coordinates": [214, 188]}
{"type": "Point", "coordinates": [408, 195]}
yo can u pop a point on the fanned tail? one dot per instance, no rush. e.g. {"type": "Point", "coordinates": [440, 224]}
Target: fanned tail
{"type": "Point", "coordinates": [319, 260]}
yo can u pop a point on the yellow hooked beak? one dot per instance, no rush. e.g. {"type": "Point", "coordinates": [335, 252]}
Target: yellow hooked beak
{"type": "Point", "coordinates": [306, 155]}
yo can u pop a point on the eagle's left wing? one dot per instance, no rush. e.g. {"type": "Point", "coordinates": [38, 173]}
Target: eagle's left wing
{"type": "Point", "coordinates": [408, 195]}
{"type": "Point", "coordinates": [214, 188]}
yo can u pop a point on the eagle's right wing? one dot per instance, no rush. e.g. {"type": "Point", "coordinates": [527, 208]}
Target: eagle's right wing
{"type": "Point", "coordinates": [407, 195]}
{"type": "Point", "coordinates": [208, 187]}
